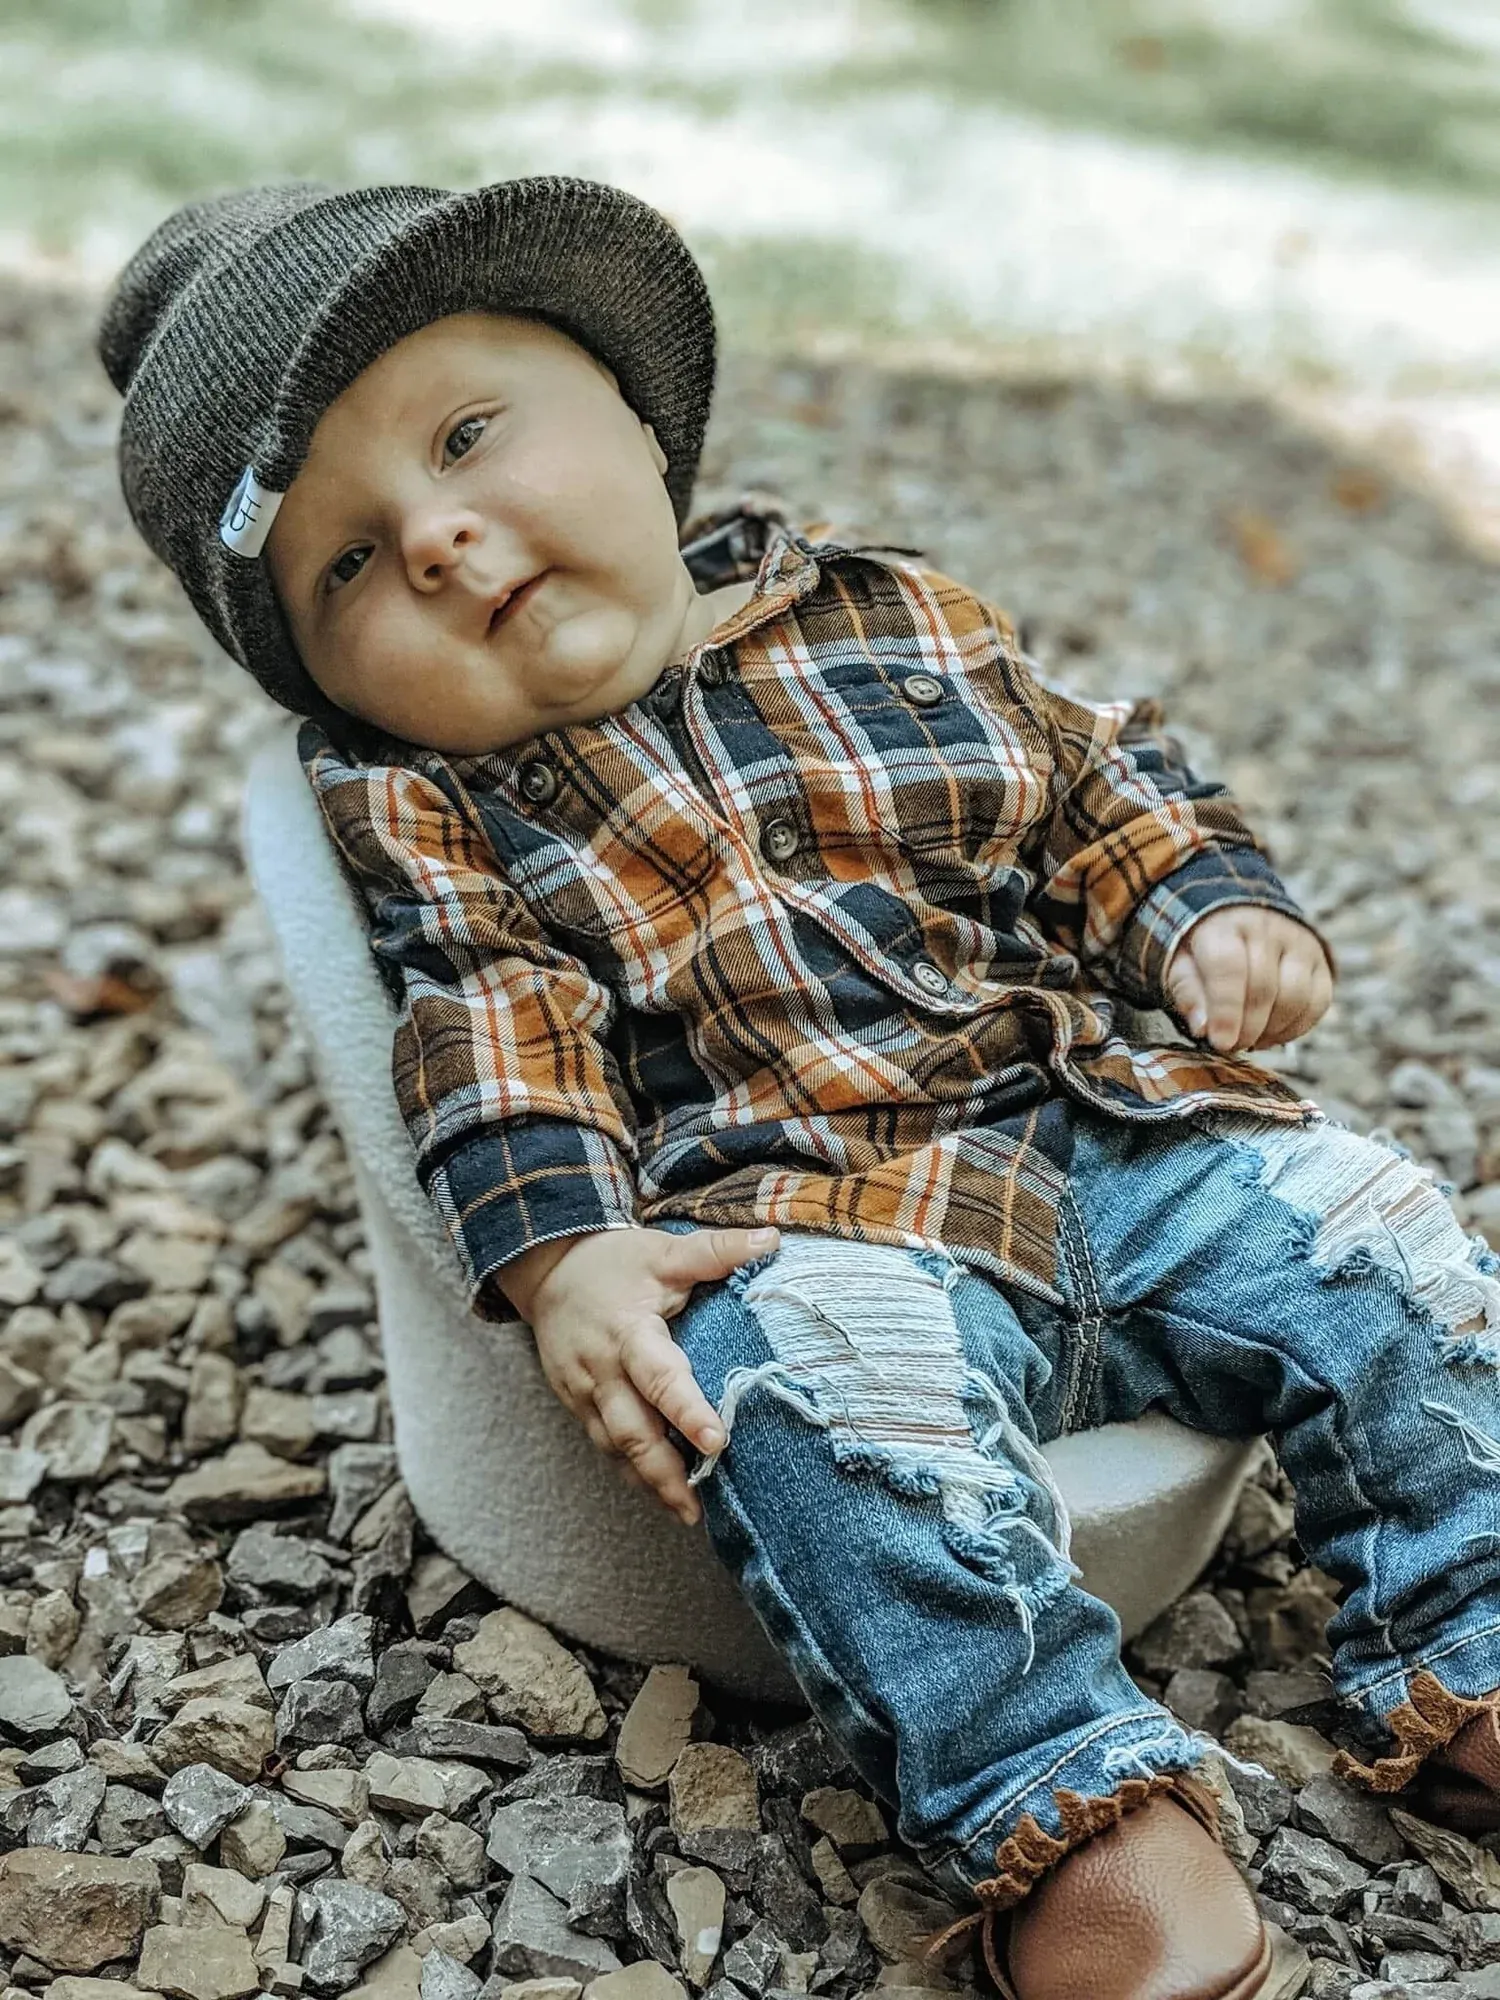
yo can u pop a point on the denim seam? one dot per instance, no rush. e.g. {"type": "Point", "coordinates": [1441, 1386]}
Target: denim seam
{"type": "Point", "coordinates": [1014, 1803]}
{"type": "Point", "coordinates": [1426, 1662]}
{"type": "Point", "coordinates": [1087, 1316]}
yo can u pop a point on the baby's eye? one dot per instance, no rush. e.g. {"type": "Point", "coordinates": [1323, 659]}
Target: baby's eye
{"type": "Point", "coordinates": [345, 568]}
{"type": "Point", "coordinates": [462, 438]}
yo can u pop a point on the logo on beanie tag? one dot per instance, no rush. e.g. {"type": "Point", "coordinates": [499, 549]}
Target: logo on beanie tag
{"type": "Point", "coordinates": [246, 521]}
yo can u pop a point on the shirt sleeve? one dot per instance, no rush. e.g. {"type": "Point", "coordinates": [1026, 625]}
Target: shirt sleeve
{"type": "Point", "coordinates": [514, 1104]}
{"type": "Point", "coordinates": [1133, 848]}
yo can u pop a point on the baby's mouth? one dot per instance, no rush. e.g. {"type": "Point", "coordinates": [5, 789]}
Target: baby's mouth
{"type": "Point", "coordinates": [513, 600]}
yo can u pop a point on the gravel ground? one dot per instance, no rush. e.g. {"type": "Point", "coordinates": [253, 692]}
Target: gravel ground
{"type": "Point", "coordinates": [261, 1734]}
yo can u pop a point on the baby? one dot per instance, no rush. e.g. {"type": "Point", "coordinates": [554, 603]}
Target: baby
{"type": "Point", "coordinates": [760, 923]}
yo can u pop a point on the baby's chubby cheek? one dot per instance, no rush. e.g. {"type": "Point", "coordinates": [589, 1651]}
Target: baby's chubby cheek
{"type": "Point", "coordinates": [580, 652]}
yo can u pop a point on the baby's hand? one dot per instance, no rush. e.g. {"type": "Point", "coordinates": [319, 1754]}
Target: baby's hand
{"type": "Point", "coordinates": [598, 1307]}
{"type": "Point", "coordinates": [1247, 978]}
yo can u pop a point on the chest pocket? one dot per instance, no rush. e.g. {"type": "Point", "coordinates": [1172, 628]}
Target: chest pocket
{"type": "Point", "coordinates": [908, 761]}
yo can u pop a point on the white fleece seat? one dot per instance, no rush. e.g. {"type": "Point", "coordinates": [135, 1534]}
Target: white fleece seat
{"type": "Point", "coordinates": [503, 1478]}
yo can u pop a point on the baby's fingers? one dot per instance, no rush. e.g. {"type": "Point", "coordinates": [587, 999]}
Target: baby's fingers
{"type": "Point", "coordinates": [635, 1432]}
{"type": "Point", "coordinates": [1223, 963]}
{"type": "Point", "coordinates": [1185, 990]}
{"type": "Point", "coordinates": [1293, 991]}
{"type": "Point", "coordinates": [663, 1374]}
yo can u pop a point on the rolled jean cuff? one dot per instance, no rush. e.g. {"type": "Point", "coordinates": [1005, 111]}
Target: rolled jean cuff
{"type": "Point", "coordinates": [1025, 1856]}
{"type": "Point", "coordinates": [1122, 1770]}
{"type": "Point", "coordinates": [1425, 1721]}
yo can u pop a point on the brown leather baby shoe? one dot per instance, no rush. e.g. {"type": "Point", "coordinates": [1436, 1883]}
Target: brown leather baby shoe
{"type": "Point", "coordinates": [1151, 1909]}
{"type": "Point", "coordinates": [1459, 1785]}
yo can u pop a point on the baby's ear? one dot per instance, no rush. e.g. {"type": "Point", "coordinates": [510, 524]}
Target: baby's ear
{"type": "Point", "coordinates": [659, 457]}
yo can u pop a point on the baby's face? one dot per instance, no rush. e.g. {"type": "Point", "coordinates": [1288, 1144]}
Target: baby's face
{"type": "Point", "coordinates": [480, 545]}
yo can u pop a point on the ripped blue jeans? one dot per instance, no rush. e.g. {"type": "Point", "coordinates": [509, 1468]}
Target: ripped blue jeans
{"type": "Point", "coordinates": [885, 1508]}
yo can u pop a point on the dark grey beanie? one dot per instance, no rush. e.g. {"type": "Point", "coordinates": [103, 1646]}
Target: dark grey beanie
{"type": "Point", "coordinates": [242, 318]}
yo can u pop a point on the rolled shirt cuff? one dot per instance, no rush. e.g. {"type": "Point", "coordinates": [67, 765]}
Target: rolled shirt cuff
{"type": "Point", "coordinates": [503, 1191]}
{"type": "Point", "coordinates": [1212, 880]}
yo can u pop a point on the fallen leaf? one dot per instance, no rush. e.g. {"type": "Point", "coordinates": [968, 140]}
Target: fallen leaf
{"type": "Point", "coordinates": [1262, 548]}
{"type": "Point", "coordinates": [1358, 490]}
{"type": "Point", "coordinates": [107, 994]}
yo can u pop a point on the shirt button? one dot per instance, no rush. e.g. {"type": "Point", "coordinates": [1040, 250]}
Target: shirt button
{"type": "Point", "coordinates": [931, 978]}
{"type": "Point", "coordinates": [922, 690]}
{"type": "Point", "coordinates": [711, 671]}
{"type": "Point", "coordinates": [779, 840]}
{"type": "Point", "coordinates": [538, 782]}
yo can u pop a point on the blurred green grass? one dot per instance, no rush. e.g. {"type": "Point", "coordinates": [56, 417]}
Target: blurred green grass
{"type": "Point", "coordinates": [1390, 90]}
{"type": "Point", "coordinates": [124, 107]}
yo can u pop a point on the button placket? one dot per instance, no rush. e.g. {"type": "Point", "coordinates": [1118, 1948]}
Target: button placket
{"type": "Point", "coordinates": [537, 782]}
{"type": "Point", "coordinates": [779, 840]}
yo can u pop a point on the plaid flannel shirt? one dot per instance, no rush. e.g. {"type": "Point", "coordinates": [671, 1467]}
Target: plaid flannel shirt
{"type": "Point", "coordinates": [826, 930]}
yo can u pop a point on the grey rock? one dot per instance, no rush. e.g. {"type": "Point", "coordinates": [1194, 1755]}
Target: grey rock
{"type": "Point", "coordinates": [345, 1361]}
{"type": "Point", "coordinates": [97, 1282]}
{"type": "Point", "coordinates": [447, 1978]}
{"type": "Point", "coordinates": [648, 1913]}
{"type": "Point", "coordinates": [783, 1894]}
{"type": "Point", "coordinates": [313, 1712]}
{"type": "Point", "coordinates": [568, 1778]}
{"type": "Point", "coordinates": [48, 1761]}
{"type": "Point", "coordinates": [578, 1848]}
{"type": "Point", "coordinates": [1353, 1820]}
{"type": "Point", "coordinates": [350, 1414]}
{"type": "Point", "coordinates": [1194, 1632]}
{"type": "Point", "coordinates": [34, 1701]}
{"type": "Point", "coordinates": [799, 1758]}
{"type": "Point", "coordinates": [282, 1565]}
{"type": "Point", "coordinates": [1321, 1934]}
{"type": "Point", "coordinates": [1391, 1931]}
{"type": "Point", "coordinates": [1265, 1801]}
{"type": "Point", "coordinates": [343, 1651]}
{"type": "Point", "coordinates": [1202, 1698]}
{"type": "Point", "coordinates": [345, 1926]}
{"type": "Point", "coordinates": [307, 1827]}
{"type": "Point", "coordinates": [1292, 1693]}
{"type": "Point", "coordinates": [1409, 1968]}
{"type": "Point", "coordinates": [1417, 1892]}
{"type": "Point", "coordinates": [534, 1940]}
{"type": "Point", "coordinates": [276, 1624]}
{"type": "Point", "coordinates": [200, 1802]}
{"type": "Point", "coordinates": [754, 1961]}
{"type": "Point", "coordinates": [455, 1848]}
{"type": "Point", "coordinates": [66, 1809]}
{"type": "Point", "coordinates": [171, 1856]}
{"type": "Point", "coordinates": [16, 1809]}
{"type": "Point", "coordinates": [1479, 1935]}
{"type": "Point", "coordinates": [403, 1674]}
{"type": "Point", "coordinates": [443, 1736]}
{"type": "Point", "coordinates": [421, 1888]}
{"type": "Point", "coordinates": [1311, 1873]}
{"type": "Point", "coordinates": [21, 1473]}
{"type": "Point", "coordinates": [128, 1819]}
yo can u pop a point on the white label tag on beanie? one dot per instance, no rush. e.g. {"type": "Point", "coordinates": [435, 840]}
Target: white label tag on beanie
{"type": "Point", "coordinates": [246, 521]}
